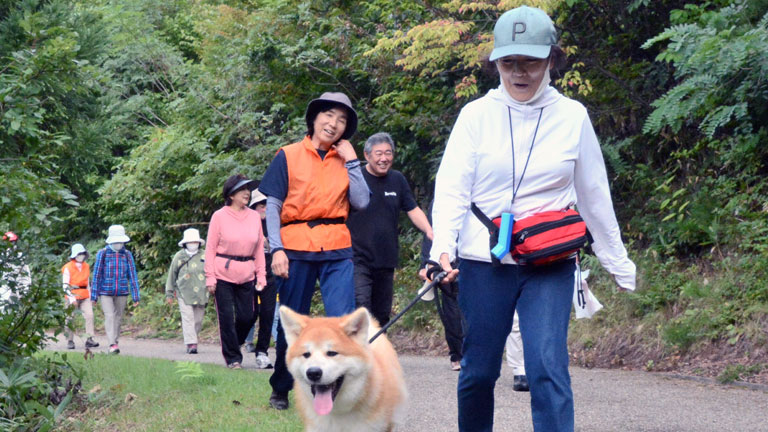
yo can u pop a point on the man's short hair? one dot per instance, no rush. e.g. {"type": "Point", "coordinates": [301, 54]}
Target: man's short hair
{"type": "Point", "coordinates": [378, 138]}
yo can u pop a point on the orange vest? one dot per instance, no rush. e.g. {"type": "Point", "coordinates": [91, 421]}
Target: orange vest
{"type": "Point", "coordinates": [78, 278]}
{"type": "Point", "coordinates": [317, 189]}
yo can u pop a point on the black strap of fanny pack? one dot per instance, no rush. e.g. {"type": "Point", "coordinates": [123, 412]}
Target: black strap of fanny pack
{"type": "Point", "coordinates": [483, 218]}
{"type": "Point", "coordinates": [493, 231]}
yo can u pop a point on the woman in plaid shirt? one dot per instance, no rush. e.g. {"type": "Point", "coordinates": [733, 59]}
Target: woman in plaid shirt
{"type": "Point", "coordinates": [114, 275]}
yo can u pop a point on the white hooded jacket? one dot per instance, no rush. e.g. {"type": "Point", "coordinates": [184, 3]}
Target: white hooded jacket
{"type": "Point", "coordinates": [565, 168]}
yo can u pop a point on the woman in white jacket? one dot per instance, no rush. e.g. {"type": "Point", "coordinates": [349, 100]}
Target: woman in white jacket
{"type": "Point", "coordinates": [523, 148]}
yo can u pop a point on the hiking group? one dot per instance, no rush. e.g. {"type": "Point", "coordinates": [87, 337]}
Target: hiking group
{"type": "Point", "coordinates": [521, 153]}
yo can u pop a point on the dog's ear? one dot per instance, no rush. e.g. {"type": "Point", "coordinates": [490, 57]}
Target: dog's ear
{"type": "Point", "coordinates": [356, 324]}
{"type": "Point", "coordinates": [293, 323]}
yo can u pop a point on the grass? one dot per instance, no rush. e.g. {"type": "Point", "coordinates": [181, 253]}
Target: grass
{"type": "Point", "coordinates": [125, 393]}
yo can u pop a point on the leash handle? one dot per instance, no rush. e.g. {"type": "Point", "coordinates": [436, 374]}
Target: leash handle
{"type": "Point", "coordinates": [436, 267]}
{"type": "Point", "coordinates": [435, 281]}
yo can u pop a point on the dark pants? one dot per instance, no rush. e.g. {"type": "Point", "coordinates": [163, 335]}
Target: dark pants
{"type": "Point", "coordinates": [488, 298]}
{"type": "Point", "coordinates": [453, 322]}
{"type": "Point", "coordinates": [265, 315]}
{"type": "Point", "coordinates": [234, 309]}
{"type": "Point", "coordinates": [373, 290]}
{"type": "Point", "coordinates": [338, 292]}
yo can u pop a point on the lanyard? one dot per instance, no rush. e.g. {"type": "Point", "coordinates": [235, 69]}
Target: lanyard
{"type": "Point", "coordinates": [525, 168]}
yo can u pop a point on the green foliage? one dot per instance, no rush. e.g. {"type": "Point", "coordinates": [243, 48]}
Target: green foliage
{"type": "Point", "coordinates": [739, 372]}
{"type": "Point", "coordinates": [34, 393]}
{"type": "Point", "coordinates": [719, 59]}
{"type": "Point", "coordinates": [704, 302]}
{"type": "Point", "coordinates": [32, 307]}
{"type": "Point", "coordinates": [192, 371]}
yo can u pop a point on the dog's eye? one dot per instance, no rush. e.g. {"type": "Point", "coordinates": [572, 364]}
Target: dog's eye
{"type": "Point", "coordinates": [331, 353]}
{"type": "Point", "coordinates": [306, 354]}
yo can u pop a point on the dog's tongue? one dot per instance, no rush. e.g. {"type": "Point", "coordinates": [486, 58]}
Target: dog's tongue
{"type": "Point", "coordinates": [323, 402]}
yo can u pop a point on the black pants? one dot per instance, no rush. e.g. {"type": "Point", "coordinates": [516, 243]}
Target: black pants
{"type": "Point", "coordinates": [235, 309]}
{"type": "Point", "coordinates": [373, 290]}
{"type": "Point", "coordinates": [265, 314]}
{"type": "Point", "coordinates": [453, 321]}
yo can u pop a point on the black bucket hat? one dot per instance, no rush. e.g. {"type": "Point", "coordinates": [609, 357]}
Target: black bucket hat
{"type": "Point", "coordinates": [338, 98]}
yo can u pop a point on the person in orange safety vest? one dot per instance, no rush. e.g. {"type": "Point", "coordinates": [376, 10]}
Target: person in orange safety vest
{"type": "Point", "coordinates": [310, 186]}
{"type": "Point", "coordinates": [76, 275]}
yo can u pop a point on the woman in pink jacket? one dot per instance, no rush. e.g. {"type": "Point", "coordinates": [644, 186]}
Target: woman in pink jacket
{"type": "Point", "coordinates": [234, 265]}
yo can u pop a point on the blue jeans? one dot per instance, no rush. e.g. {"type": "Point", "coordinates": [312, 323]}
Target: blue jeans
{"type": "Point", "coordinates": [488, 297]}
{"type": "Point", "coordinates": [337, 288]}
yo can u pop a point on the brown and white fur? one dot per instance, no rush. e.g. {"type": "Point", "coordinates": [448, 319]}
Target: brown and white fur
{"type": "Point", "coordinates": [343, 383]}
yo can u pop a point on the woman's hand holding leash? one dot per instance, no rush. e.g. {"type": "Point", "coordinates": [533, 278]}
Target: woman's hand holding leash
{"type": "Point", "coordinates": [434, 275]}
{"type": "Point", "coordinates": [451, 272]}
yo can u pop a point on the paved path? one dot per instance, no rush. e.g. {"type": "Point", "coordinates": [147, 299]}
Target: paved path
{"type": "Point", "coordinates": [606, 400]}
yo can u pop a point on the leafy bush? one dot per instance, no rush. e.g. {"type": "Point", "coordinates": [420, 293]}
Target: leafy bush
{"type": "Point", "coordinates": [34, 392]}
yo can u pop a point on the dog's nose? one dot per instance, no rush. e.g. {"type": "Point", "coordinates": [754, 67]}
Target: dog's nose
{"type": "Point", "coordinates": [314, 374]}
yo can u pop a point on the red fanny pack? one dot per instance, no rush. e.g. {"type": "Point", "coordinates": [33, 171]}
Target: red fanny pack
{"type": "Point", "coordinates": [547, 237]}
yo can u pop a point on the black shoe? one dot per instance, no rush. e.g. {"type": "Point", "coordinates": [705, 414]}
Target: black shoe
{"type": "Point", "coordinates": [90, 343]}
{"type": "Point", "coordinates": [71, 345]}
{"type": "Point", "coordinates": [521, 383]}
{"type": "Point", "coordinates": [279, 401]}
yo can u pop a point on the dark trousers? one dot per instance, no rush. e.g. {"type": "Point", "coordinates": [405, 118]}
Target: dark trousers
{"type": "Point", "coordinates": [338, 292]}
{"type": "Point", "coordinates": [373, 290]}
{"type": "Point", "coordinates": [488, 298]}
{"type": "Point", "coordinates": [235, 310]}
{"type": "Point", "coordinates": [265, 314]}
{"type": "Point", "coordinates": [453, 321]}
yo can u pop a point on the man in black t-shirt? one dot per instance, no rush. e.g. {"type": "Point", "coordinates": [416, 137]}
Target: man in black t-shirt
{"type": "Point", "coordinates": [374, 229]}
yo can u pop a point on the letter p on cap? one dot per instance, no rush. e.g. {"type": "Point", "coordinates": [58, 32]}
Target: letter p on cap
{"type": "Point", "coordinates": [518, 28]}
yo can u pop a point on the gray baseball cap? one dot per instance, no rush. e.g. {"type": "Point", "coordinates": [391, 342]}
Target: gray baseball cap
{"type": "Point", "coordinates": [523, 31]}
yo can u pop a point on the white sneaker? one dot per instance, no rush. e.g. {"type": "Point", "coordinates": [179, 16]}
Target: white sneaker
{"type": "Point", "coordinates": [262, 361]}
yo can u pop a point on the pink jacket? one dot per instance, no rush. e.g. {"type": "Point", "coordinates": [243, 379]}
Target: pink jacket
{"type": "Point", "coordinates": [236, 233]}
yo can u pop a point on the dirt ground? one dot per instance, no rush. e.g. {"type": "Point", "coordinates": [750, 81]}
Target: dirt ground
{"type": "Point", "coordinates": [612, 351]}
{"type": "Point", "coordinates": [619, 352]}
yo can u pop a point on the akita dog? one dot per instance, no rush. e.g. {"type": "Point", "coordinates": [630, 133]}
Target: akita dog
{"type": "Point", "coordinates": [343, 383]}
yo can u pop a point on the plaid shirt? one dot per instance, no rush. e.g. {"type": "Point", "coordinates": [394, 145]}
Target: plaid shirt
{"type": "Point", "coordinates": [114, 274]}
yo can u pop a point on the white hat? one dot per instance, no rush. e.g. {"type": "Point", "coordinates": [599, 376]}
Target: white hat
{"type": "Point", "coordinates": [191, 235]}
{"type": "Point", "coordinates": [256, 197]}
{"type": "Point", "coordinates": [77, 249]}
{"type": "Point", "coordinates": [117, 235]}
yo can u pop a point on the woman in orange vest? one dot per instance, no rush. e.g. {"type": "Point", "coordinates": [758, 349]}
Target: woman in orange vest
{"type": "Point", "coordinates": [310, 186]}
{"type": "Point", "coordinates": [76, 276]}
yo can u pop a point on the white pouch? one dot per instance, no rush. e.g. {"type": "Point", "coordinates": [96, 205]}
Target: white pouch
{"type": "Point", "coordinates": [584, 302]}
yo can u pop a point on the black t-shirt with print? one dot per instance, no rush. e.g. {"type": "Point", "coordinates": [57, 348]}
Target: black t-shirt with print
{"type": "Point", "coordinates": [374, 230]}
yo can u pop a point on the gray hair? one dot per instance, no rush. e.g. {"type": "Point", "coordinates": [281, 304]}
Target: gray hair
{"type": "Point", "coordinates": [378, 138]}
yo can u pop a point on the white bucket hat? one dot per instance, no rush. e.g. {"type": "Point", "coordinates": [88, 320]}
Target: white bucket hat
{"type": "Point", "coordinates": [191, 235]}
{"type": "Point", "coordinates": [256, 197]}
{"type": "Point", "coordinates": [117, 235]}
{"type": "Point", "coordinates": [78, 249]}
